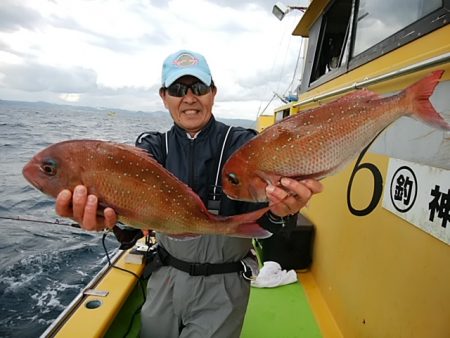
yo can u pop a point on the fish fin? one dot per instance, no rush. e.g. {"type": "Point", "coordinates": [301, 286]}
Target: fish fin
{"type": "Point", "coordinates": [183, 236]}
{"type": "Point", "coordinates": [133, 149]}
{"type": "Point", "coordinates": [251, 230]}
{"type": "Point", "coordinates": [246, 226]}
{"type": "Point", "coordinates": [358, 95]}
{"type": "Point", "coordinates": [419, 94]}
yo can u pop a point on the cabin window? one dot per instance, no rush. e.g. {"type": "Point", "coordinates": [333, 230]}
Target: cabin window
{"type": "Point", "coordinates": [379, 19]}
{"type": "Point", "coordinates": [350, 33]}
{"type": "Point", "coordinates": [335, 26]}
{"type": "Point", "coordinates": [279, 115]}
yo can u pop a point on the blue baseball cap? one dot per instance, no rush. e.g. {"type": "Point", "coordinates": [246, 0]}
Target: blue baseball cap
{"type": "Point", "coordinates": [185, 62]}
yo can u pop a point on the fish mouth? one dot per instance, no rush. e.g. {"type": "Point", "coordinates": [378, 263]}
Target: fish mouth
{"type": "Point", "coordinates": [252, 198]}
{"type": "Point", "coordinates": [232, 197]}
{"type": "Point", "coordinates": [256, 195]}
{"type": "Point", "coordinates": [27, 173]}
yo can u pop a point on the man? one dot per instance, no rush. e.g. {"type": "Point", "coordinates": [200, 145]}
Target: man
{"type": "Point", "coordinates": [186, 297]}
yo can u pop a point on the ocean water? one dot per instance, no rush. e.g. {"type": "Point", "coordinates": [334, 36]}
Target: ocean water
{"type": "Point", "coordinates": [44, 266]}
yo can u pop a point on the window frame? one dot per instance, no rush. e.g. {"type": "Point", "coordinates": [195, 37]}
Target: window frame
{"type": "Point", "coordinates": [427, 24]}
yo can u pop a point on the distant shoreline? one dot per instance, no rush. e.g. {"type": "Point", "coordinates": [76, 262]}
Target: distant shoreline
{"type": "Point", "coordinates": [111, 112]}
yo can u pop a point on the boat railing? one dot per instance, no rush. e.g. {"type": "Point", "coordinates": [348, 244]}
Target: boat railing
{"type": "Point", "coordinates": [435, 61]}
{"type": "Point", "coordinates": [63, 316]}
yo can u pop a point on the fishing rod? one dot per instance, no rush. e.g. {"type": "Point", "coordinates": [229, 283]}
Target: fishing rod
{"type": "Point", "coordinates": [126, 238]}
{"type": "Point", "coordinates": [57, 221]}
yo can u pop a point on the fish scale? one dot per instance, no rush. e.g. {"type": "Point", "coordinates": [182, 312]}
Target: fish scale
{"type": "Point", "coordinates": [319, 142]}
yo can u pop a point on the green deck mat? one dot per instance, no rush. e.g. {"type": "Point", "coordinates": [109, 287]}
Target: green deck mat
{"type": "Point", "coordinates": [279, 312]}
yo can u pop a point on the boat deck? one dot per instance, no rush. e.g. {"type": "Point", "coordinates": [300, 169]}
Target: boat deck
{"type": "Point", "coordinates": [289, 311]}
{"type": "Point", "coordinates": [280, 312]}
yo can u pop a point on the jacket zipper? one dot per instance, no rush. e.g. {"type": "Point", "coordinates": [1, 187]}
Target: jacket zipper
{"type": "Point", "coordinates": [191, 164]}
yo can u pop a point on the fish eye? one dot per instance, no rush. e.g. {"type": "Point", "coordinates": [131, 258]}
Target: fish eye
{"type": "Point", "coordinates": [49, 167]}
{"type": "Point", "coordinates": [233, 179]}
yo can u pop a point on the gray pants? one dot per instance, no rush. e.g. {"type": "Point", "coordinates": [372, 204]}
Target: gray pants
{"type": "Point", "coordinates": [180, 305]}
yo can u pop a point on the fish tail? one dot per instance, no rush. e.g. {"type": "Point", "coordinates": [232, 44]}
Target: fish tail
{"type": "Point", "coordinates": [245, 226]}
{"type": "Point", "coordinates": [251, 230]}
{"type": "Point", "coordinates": [419, 94]}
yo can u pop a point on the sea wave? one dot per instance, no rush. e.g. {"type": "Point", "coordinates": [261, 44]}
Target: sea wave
{"type": "Point", "coordinates": [44, 266]}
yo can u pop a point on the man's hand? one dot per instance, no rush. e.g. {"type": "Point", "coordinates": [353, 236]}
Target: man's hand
{"type": "Point", "coordinates": [291, 196]}
{"type": "Point", "coordinates": [82, 208]}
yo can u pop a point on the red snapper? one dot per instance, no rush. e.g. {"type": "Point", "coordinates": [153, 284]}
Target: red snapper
{"type": "Point", "coordinates": [142, 192]}
{"type": "Point", "coordinates": [318, 142]}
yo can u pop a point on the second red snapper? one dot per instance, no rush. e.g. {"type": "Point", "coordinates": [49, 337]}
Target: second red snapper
{"type": "Point", "coordinates": [318, 142]}
{"type": "Point", "coordinates": [142, 192]}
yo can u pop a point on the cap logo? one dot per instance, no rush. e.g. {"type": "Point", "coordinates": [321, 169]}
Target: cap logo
{"type": "Point", "coordinates": [185, 60]}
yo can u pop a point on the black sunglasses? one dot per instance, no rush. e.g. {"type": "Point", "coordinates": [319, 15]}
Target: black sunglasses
{"type": "Point", "coordinates": [181, 89]}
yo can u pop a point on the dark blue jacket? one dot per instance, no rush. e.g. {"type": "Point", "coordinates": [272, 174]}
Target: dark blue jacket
{"type": "Point", "coordinates": [194, 161]}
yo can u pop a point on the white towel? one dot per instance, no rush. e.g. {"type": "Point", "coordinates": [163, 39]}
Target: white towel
{"type": "Point", "coordinates": [271, 276]}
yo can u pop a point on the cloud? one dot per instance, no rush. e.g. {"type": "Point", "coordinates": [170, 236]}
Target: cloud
{"type": "Point", "coordinates": [70, 97]}
{"type": "Point", "coordinates": [109, 52]}
{"type": "Point", "coordinates": [14, 15]}
{"type": "Point", "coordinates": [37, 77]}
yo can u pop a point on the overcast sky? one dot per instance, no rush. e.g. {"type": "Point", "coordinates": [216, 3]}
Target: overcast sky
{"type": "Point", "coordinates": [108, 53]}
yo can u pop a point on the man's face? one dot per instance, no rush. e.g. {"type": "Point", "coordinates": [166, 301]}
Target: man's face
{"type": "Point", "coordinates": [191, 112]}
